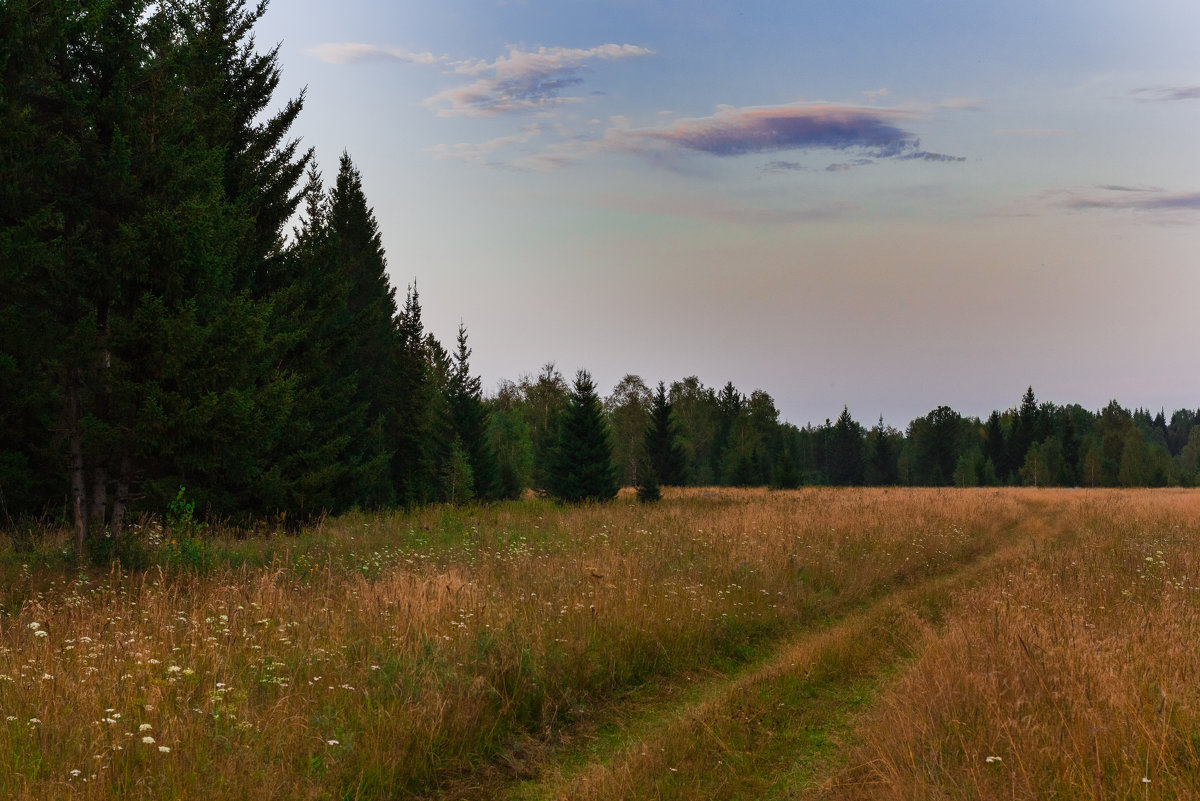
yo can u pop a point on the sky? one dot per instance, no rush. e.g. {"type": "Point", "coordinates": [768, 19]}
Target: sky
{"type": "Point", "coordinates": [880, 205]}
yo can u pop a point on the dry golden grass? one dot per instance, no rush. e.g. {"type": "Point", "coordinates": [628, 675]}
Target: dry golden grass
{"type": "Point", "coordinates": [1074, 674]}
{"type": "Point", "coordinates": [407, 655]}
{"type": "Point", "coordinates": [385, 656]}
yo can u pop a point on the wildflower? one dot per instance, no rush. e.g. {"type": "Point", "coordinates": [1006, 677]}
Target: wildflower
{"type": "Point", "coordinates": [34, 626]}
{"type": "Point", "coordinates": [162, 749]}
{"type": "Point", "coordinates": [145, 727]}
{"type": "Point", "coordinates": [76, 772]}
{"type": "Point", "coordinates": [40, 633]}
{"type": "Point", "coordinates": [332, 742]}
{"type": "Point", "coordinates": [34, 721]}
{"type": "Point", "coordinates": [992, 759]}
{"type": "Point", "coordinates": [1145, 780]}
{"type": "Point", "coordinates": [174, 669]}
{"type": "Point", "coordinates": [148, 740]}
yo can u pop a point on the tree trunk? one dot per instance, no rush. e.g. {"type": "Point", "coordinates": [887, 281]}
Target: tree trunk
{"type": "Point", "coordinates": [121, 502]}
{"type": "Point", "coordinates": [75, 465]}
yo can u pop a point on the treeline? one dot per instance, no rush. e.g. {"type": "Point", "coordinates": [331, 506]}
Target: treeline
{"type": "Point", "coordinates": [161, 329]}
{"type": "Point", "coordinates": [727, 438]}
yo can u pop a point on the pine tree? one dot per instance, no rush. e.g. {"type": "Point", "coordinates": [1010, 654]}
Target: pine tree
{"type": "Point", "coordinates": [664, 455]}
{"type": "Point", "coordinates": [581, 465]}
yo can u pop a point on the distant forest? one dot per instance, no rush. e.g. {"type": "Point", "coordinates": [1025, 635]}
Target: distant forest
{"type": "Point", "coordinates": [189, 310]}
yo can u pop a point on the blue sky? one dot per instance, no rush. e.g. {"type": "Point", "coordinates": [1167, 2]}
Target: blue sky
{"type": "Point", "coordinates": [886, 205]}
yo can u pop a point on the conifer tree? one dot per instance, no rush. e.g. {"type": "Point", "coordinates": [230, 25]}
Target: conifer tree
{"type": "Point", "coordinates": [410, 422]}
{"type": "Point", "coordinates": [664, 455]}
{"type": "Point", "coordinates": [469, 417]}
{"type": "Point", "coordinates": [648, 489]}
{"type": "Point", "coordinates": [581, 466]}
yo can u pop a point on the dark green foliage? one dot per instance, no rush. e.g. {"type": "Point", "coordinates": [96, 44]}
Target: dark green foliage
{"type": "Point", "coordinates": [509, 437]}
{"type": "Point", "coordinates": [543, 402]}
{"type": "Point", "coordinates": [648, 489]}
{"type": "Point", "coordinates": [664, 455]}
{"type": "Point", "coordinates": [785, 475]}
{"type": "Point", "coordinates": [581, 467]}
{"type": "Point", "coordinates": [410, 421]}
{"type": "Point", "coordinates": [846, 466]}
{"type": "Point", "coordinates": [469, 418]}
{"type": "Point", "coordinates": [883, 450]}
{"type": "Point", "coordinates": [936, 439]}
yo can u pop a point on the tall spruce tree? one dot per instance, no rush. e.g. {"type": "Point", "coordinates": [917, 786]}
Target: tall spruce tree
{"type": "Point", "coordinates": [664, 455]}
{"type": "Point", "coordinates": [470, 420]}
{"type": "Point", "coordinates": [581, 466]}
{"type": "Point", "coordinates": [411, 421]}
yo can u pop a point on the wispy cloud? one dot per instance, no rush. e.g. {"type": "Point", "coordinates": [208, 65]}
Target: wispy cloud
{"type": "Point", "coordinates": [355, 53]}
{"type": "Point", "coordinates": [1160, 205]}
{"type": "Point", "coordinates": [872, 132]}
{"type": "Point", "coordinates": [524, 81]}
{"type": "Point", "coordinates": [1167, 93]}
{"type": "Point", "coordinates": [480, 153]}
{"type": "Point", "coordinates": [519, 81]}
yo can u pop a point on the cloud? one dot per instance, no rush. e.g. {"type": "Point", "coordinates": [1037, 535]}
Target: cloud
{"type": "Point", "coordinates": [479, 153]}
{"type": "Point", "coordinates": [783, 166]}
{"type": "Point", "coordinates": [1151, 94]}
{"type": "Point", "coordinates": [847, 166]}
{"type": "Point", "coordinates": [355, 53]}
{"type": "Point", "coordinates": [1163, 206]}
{"type": "Point", "coordinates": [874, 133]}
{"type": "Point", "coordinates": [523, 81]}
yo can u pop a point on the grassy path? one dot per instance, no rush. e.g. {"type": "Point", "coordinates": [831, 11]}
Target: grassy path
{"type": "Point", "coordinates": [772, 729]}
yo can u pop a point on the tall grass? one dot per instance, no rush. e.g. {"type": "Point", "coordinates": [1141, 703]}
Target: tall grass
{"type": "Point", "coordinates": [1074, 674]}
{"type": "Point", "coordinates": [385, 656]}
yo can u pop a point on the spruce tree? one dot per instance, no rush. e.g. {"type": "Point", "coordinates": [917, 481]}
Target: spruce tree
{"type": "Point", "coordinates": [664, 455]}
{"type": "Point", "coordinates": [470, 420]}
{"type": "Point", "coordinates": [581, 467]}
{"type": "Point", "coordinates": [410, 421]}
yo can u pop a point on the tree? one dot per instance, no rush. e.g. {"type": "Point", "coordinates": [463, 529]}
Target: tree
{"type": "Point", "coordinates": [628, 411]}
{"type": "Point", "coordinates": [936, 439]}
{"type": "Point", "coordinates": [581, 467]}
{"type": "Point", "coordinates": [508, 435]}
{"type": "Point", "coordinates": [158, 357]}
{"type": "Point", "coordinates": [648, 489]}
{"type": "Point", "coordinates": [883, 448]}
{"type": "Point", "coordinates": [543, 402]}
{"type": "Point", "coordinates": [695, 409]}
{"type": "Point", "coordinates": [664, 455]}
{"type": "Point", "coordinates": [469, 417]}
{"type": "Point", "coordinates": [846, 466]}
{"type": "Point", "coordinates": [410, 418]}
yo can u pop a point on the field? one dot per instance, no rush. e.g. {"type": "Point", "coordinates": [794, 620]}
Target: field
{"type": "Point", "coordinates": [823, 643]}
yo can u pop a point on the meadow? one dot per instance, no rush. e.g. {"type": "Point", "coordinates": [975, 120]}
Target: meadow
{"type": "Point", "coordinates": [821, 643]}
